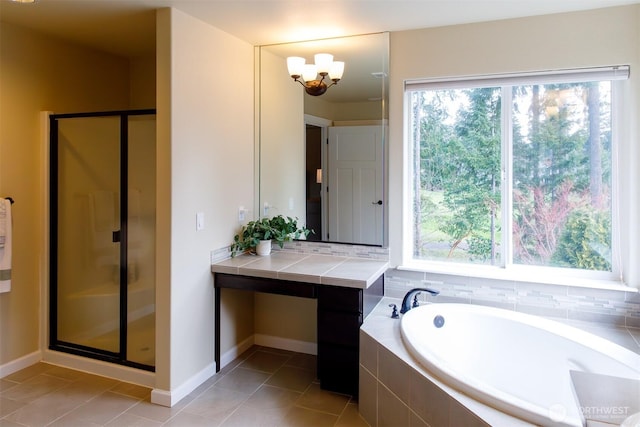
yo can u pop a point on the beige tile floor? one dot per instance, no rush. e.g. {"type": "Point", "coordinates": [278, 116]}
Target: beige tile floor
{"type": "Point", "coordinates": [263, 387]}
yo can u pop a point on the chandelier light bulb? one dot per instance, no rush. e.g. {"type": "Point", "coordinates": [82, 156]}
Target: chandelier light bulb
{"type": "Point", "coordinates": [336, 70]}
{"type": "Point", "coordinates": [323, 62]}
{"type": "Point", "coordinates": [309, 72]}
{"type": "Point", "coordinates": [295, 65]}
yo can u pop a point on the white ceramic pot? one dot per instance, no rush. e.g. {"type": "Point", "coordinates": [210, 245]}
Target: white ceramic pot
{"type": "Point", "coordinates": [264, 247]}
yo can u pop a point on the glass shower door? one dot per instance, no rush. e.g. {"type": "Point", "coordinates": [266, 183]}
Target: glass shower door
{"type": "Point", "coordinates": [103, 201]}
{"type": "Point", "coordinates": [88, 224]}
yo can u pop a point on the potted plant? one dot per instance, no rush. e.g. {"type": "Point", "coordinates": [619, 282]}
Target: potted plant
{"type": "Point", "coordinates": [257, 235]}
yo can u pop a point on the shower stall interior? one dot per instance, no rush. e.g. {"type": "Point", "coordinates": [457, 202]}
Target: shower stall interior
{"type": "Point", "coordinates": [102, 236]}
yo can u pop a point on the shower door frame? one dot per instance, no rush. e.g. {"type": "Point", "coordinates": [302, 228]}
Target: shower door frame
{"type": "Point", "coordinates": [119, 357]}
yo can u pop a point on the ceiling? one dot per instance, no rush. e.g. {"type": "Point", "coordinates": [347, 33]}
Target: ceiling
{"type": "Point", "coordinates": [127, 27]}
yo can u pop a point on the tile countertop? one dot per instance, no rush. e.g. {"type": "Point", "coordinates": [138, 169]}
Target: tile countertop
{"type": "Point", "coordinates": [309, 268]}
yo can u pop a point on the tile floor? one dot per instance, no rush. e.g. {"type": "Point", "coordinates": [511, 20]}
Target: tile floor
{"type": "Point", "coordinates": [262, 387]}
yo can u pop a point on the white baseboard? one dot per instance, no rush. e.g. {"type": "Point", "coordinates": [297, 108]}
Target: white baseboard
{"type": "Point", "coordinates": [20, 363]}
{"type": "Point", "coordinates": [161, 397]}
{"type": "Point", "coordinates": [268, 341]}
{"type": "Point", "coordinates": [286, 344]}
{"type": "Point", "coordinates": [171, 397]}
{"type": "Point", "coordinates": [230, 356]}
{"type": "Point", "coordinates": [98, 367]}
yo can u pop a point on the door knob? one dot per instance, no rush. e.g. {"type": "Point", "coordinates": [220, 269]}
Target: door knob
{"type": "Point", "coordinates": [379, 202]}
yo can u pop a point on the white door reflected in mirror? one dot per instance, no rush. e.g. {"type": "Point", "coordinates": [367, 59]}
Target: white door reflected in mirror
{"type": "Point", "coordinates": [355, 184]}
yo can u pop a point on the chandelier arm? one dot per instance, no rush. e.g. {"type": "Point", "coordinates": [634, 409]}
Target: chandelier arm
{"type": "Point", "coordinates": [299, 81]}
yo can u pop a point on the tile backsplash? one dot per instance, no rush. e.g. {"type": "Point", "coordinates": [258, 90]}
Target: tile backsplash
{"type": "Point", "coordinates": [319, 248]}
{"type": "Point", "coordinates": [610, 307]}
{"type": "Point", "coordinates": [336, 249]}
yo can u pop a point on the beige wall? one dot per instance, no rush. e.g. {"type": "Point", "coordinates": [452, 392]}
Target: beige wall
{"type": "Point", "coordinates": [279, 317]}
{"type": "Point", "coordinates": [317, 106]}
{"type": "Point", "coordinates": [142, 71]}
{"type": "Point", "coordinates": [205, 143]}
{"type": "Point", "coordinates": [38, 73]}
{"type": "Point", "coordinates": [582, 39]}
{"type": "Point", "coordinates": [371, 110]}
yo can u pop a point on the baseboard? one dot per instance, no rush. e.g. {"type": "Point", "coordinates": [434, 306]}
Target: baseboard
{"type": "Point", "coordinates": [20, 363]}
{"type": "Point", "coordinates": [171, 397]}
{"type": "Point", "coordinates": [161, 397]}
{"type": "Point", "coordinates": [286, 344]}
{"type": "Point", "coordinates": [230, 356]}
{"type": "Point", "coordinates": [98, 367]}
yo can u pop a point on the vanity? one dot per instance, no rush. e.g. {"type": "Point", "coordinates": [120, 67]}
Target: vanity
{"type": "Point", "coordinates": [346, 289]}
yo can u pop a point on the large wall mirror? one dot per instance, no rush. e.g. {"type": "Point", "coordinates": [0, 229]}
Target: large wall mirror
{"type": "Point", "coordinates": [323, 159]}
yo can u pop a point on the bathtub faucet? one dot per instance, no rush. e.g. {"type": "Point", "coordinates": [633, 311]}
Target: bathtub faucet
{"type": "Point", "coordinates": [413, 294]}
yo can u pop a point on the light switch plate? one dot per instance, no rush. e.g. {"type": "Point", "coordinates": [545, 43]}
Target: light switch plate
{"type": "Point", "coordinates": [199, 221]}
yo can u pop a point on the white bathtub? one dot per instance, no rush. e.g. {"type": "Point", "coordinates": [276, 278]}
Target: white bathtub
{"type": "Point", "coordinates": [514, 362]}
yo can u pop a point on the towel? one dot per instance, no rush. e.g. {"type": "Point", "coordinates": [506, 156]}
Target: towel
{"type": "Point", "coordinates": [5, 250]}
{"type": "Point", "coordinates": [3, 223]}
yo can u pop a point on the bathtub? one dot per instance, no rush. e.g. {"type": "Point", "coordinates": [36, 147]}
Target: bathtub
{"type": "Point", "coordinates": [517, 363]}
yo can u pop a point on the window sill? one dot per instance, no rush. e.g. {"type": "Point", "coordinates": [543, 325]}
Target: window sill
{"type": "Point", "coordinates": [518, 274]}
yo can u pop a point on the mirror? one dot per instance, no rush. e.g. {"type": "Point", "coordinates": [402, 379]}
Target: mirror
{"type": "Point", "coordinates": [322, 158]}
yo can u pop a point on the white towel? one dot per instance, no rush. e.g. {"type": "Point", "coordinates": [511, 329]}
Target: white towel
{"type": "Point", "coordinates": [3, 223]}
{"type": "Point", "coordinates": [5, 250]}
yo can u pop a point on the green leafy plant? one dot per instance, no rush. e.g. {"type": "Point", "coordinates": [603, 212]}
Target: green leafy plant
{"type": "Point", "coordinates": [279, 229]}
{"type": "Point", "coordinates": [585, 242]}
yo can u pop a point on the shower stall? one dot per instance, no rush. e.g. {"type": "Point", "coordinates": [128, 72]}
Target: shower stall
{"type": "Point", "coordinates": [102, 236]}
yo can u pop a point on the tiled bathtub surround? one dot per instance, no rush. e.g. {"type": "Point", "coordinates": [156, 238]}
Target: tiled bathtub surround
{"type": "Point", "coordinates": [608, 307]}
{"type": "Point", "coordinates": [396, 390]}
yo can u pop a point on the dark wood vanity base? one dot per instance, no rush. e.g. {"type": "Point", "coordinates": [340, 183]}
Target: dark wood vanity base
{"type": "Point", "coordinates": [341, 312]}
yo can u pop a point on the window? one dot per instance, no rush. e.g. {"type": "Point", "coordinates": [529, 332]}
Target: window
{"type": "Point", "coordinates": [515, 170]}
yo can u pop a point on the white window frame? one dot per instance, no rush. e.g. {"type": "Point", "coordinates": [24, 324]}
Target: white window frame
{"type": "Point", "coordinates": [507, 270]}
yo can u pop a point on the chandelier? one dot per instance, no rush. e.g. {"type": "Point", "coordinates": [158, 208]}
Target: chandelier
{"type": "Point", "coordinates": [312, 76]}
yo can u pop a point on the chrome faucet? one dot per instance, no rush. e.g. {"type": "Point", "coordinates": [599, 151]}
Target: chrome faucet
{"type": "Point", "coordinates": [413, 294]}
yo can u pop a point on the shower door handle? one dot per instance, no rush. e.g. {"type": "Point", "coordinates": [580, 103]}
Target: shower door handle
{"type": "Point", "coordinates": [115, 236]}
